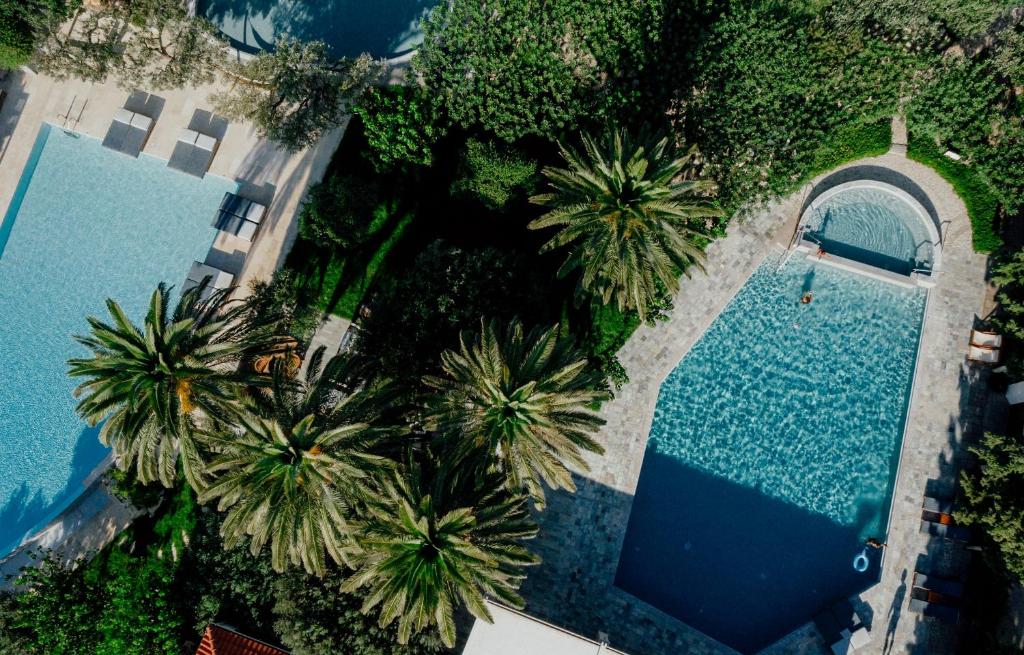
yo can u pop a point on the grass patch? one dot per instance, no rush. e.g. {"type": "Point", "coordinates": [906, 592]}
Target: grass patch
{"type": "Point", "coordinates": [977, 194]}
{"type": "Point", "coordinates": [849, 143]}
{"type": "Point", "coordinates": [349, 300]}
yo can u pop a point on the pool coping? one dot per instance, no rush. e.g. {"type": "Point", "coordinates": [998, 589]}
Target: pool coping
{"type": "Point", "coordinates": [865, 183]}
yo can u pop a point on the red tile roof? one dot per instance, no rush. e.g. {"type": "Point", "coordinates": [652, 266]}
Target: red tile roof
{"type": "Point", "coordinates": [218, 640]}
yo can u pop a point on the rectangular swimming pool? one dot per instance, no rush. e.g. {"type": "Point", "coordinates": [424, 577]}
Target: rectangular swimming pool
{"type": "Point", "coordinates": [773, 454]}
{"type": "Point", "coordinates": [85, 224]}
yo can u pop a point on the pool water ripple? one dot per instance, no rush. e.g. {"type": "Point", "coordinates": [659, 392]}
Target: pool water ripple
{"type": "Point", "coordinates": [782, 409]}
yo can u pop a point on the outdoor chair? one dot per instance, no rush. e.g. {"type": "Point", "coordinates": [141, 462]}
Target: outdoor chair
{"type": "Point", "coordinates": [216, 279]}
{"type": "Point", "coordinates": [239, 216]}
{"type": "Point", "coordinates": [193, 153]}
{"type": "Point", "coordinates": [128, 132]}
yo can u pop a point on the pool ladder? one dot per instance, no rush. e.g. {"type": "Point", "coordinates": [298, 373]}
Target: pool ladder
{"type": "Point", "coordinates": [69, 124]}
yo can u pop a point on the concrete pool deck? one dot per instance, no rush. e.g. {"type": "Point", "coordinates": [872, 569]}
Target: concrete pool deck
{"type": "Point", "coordinates": [264, 171]}
{"type": "Point", "coordinates": [581, 535]}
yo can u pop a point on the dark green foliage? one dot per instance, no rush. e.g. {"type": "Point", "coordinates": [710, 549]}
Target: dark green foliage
{"type": "Point", "coordinates": [141, 613]}
{"type": "Point", "coordinates": [447, 290]}
{"type": "Point", "coordinates": [521, 67]}
{"type": "Point", "coordinates": [296, 93]}
{"type": "Point", "coordinates": [282, 297]}
{"type": "Point", "coordinates": [23, 23]}
{"type": "Point", "coordinates": [400, 124]}
{"type": "Point", "coordinates": [772, 84]}
{"type": "Point", "coordinates": [495, 175]}
{"type": "Point", "coordinates": [338, 212]}
{"type": "Point", "coordinates": [608, 331]}
{"type": "Point", "coordinates": [59, 613]}
{"type": "Point", "coordinates": [127, 487]}
{"type": "Point", "coordinates": [848, 143]}
{"type": "Point", "coordinates": [313, 616]}
{"type": "Point", "coordinates": [994, 498]}
{"type": "Point", "coordinates": [1009, 275]}
{"type": "Point", "coordinates": [978, 195]}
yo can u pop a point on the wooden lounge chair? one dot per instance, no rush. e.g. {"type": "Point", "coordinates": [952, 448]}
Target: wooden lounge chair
{"type": "Point", "coordinates": [944, 613]}
{"type": "Point", "coordinates": [285, 353]}
{"type": "Point", "coordinates": [937, 520]}
{"type": "Point", "coordinates": [940, 590]}
{"type": "Point", "coordinates": [985, 339]}
{"type": "Point", "coordinates": [984, 347]}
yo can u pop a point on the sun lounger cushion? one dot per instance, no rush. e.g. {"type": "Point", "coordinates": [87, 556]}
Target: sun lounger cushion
{"type": "Point", "coordinates": [944, 613]}
{"type": "Point", "coordinates": [986, 339]}
{"type": "Point", "coordinates": [124, 116]}
{"type": "Point", "coordinates": [953, 589]}
{"type": "Point", "coordinates": [946, 531]}
{"type": "Point", "coordinates": [128, 132]}
{"type": "Point", "coordinates": [206, 142]}
{"type": "Point", "coordinates": [256, 213]}
{"type": "Point", "coordinates": [188, 136]}
{"type": "Point", "coordinates": [199, 271]}
{"type": "Point", "coordinates": [860, 638]}
{"type": "Point", "coordinates": [939, 506]}
{"type": "Point", "coordinates": [983, 355]}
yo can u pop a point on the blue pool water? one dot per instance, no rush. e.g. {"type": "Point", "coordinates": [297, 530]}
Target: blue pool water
{"type": "Point", "coordinates": [85, 224]}
{"type": "Point", "coordinates": [773, 454]}
{"type": "Point", "coordinates": [383, 28]}
{"type": "Point", "coordinates": [875, 227]}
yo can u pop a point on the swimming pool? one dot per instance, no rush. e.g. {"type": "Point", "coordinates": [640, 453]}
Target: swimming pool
{"type": "Point", "coordinates": [383, 28]}
{"type": "Point", "coordinates": [85, 224]}
{"type": "Point", "coordinates": [773, 453]}
{"type": "Point", "coordinates": [876, 224]}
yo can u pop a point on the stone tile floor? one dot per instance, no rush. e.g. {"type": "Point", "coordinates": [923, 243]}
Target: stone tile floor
{"type": "Point", "coordinates": [582, 534]}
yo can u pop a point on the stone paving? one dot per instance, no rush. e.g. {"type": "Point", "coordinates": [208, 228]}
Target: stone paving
{"type": "Point", "coordinates": [582, 534]}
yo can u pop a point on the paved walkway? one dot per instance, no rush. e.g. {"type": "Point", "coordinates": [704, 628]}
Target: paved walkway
{"type": "Point", "coordinates": [582, 534]}
{"type": "Point", "coordinates": [328, 336]}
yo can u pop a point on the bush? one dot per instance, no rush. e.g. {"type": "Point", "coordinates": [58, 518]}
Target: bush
{"type": "Point", "coordinates": [338, 212]}
{"type": "Point", "coordinates": [400, 125]}
{"type": "Point", "coordinates": [22, 23]}
{"type": "Point", "coordinates": [977, 194]}
{"type": "Point", "coordinates": [849, 143]}
{"type": "Point", "coordinates": [610, 329]}
{"type": "Point", "coordinates": [494, 175]}
{"type": "Point", "coordinates": [446, 290]}
{"type": "Point", "coordinates": [314, 617]}
{"type": "Point", "coordinates": [994, 495]}
{"type": "Point", "coordinates": [282, 296]}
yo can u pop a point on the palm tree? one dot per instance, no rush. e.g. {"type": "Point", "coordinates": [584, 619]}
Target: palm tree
{"type": "Point", "coordinates": [426, 547]}
{"type": "Point", "coordinates": [150, 386]}
{"type": "Point", "coordinates": [631, 213]}
{"type": "Point", "coordinates": [521, 399]}
{"type": "Point", "coordinates": [290, 471]}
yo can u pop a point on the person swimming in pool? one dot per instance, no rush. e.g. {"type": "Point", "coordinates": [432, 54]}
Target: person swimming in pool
{"type": "Point", "coordinates": [806, 298]}
{"type": "Point", "coordinates": [875, 543]}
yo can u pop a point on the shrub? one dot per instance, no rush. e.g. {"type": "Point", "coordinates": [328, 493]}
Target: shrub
{"type": "Point", "coordinates": [994, 495]}
{"type": "Point", "coordinates": [22, 23]}
{"type": "Point", "coordinates": [338, 212]}
{"type": "Point", "coordinates": [977, 194]}
{"type": "Point", "coordinates": [400, 125]}
{"type": "Point", "coordinates": [494, 175]}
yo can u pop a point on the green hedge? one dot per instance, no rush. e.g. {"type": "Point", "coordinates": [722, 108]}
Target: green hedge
{"type": "Point", "coordinates": [849, 143]}
{"type": "Point", "coordinates": [977, 194]}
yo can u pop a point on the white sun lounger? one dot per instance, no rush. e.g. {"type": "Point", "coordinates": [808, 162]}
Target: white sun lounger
{"type": "Point", "coordinates": [984, 339]}
{"type": "Point", "coordinates": [128, 132]}
{"type": "Point", "coordinates": [218, 279]}
{"type": "Point", "coordinates": [983, 355]}
{"type": "Point", "coordinates": [239, 216]}
{"type": "Point", "coordinates": [193, 153]}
